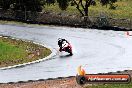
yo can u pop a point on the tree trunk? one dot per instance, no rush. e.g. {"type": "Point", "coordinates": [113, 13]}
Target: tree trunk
{"type": "Point", "coordinates": [80, 11]}
{"type": "Point", "coordinates": [87, 5]}
{"type": "Point", "coordinates": [77, 6]}
{"type": "Point", "coordinates": [86, 11]}
{"type": "Point", "coordinates": [86, 8]}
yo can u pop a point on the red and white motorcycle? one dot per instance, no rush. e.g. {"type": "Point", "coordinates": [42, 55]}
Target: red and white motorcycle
{"type": "Point", "coordinates": [66, 47]}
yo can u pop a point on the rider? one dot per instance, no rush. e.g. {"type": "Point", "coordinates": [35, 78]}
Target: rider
{"type": "Point", "coordinates": [62, 43]}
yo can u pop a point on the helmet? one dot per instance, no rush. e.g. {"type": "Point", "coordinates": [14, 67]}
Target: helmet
{"type": "Point", "coordinates": [59, 39]}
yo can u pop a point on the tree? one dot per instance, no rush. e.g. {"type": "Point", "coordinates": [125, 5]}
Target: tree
{"type": "Point", "coordinates": [110, 2]}
{"type": "Point", "coordinates": [83, 5]}
{"type": "Point", "coordinates": [49, 2]}
{"type": "Point", "coordinates": [63, 4]}
{"type": "Point", "coordinates": [5, 4]}
{"type": "Point", "coordinates": [29, 5]}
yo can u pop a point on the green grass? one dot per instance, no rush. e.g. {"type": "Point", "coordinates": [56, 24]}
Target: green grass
{"type": "Point", "coordinates": [14, 52]}
{"type": "Point", "coordinates": [12, 22]}
{"type": "Point", "coordinates": [123, 10]}
{"type": "Point", "coordinates": [55, 8]}
{"type": "Point", "coordinates": [111, 86]}
{"type": "Point", "coordinates": [9, 51]}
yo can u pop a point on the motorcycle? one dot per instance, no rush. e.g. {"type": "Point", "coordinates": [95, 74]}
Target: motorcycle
{"type": "Point", "coordinates": [67, 48]}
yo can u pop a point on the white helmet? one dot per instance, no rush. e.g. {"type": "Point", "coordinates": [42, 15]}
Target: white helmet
{"type": "Point", "coordinates": [59, 39]}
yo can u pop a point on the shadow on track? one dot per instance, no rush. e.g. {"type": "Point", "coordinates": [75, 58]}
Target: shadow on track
{"type": "Point", "coordinates": [65, 56]}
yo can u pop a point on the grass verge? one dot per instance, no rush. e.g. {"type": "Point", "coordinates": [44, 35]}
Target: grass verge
{"type": "Point", "coordinates": [13, 52]}
{"type": "Point", "coordinates": [111, 86]}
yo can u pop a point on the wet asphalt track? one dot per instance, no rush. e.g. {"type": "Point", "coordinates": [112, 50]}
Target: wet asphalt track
{"type": "Point", "coordinates": [96, 50]}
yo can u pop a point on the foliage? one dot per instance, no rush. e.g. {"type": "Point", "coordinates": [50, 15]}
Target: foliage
{"type": "Point", "coordinates": [63, 4]}
{"type": "Point", "coordinates": [110, 2]}
{"type": "Point", "coordinates": [49, 2]}
{"type": "Point", "coordinates": [123, 11]}
{"type": "Point", "coordinates": [102, 20]}
{"type": "Point", "coordinates": [5, 4]}
{"type": "Point", "coordinates": [28, 5]}
{"type": "Point", "coordinates": [83, 5]}
{"type": "Point", "coordinates": [37, 5]}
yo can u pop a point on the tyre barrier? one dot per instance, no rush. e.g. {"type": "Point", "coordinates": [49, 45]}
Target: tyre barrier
{"type": "Point", "coordinates": [80, 79]}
